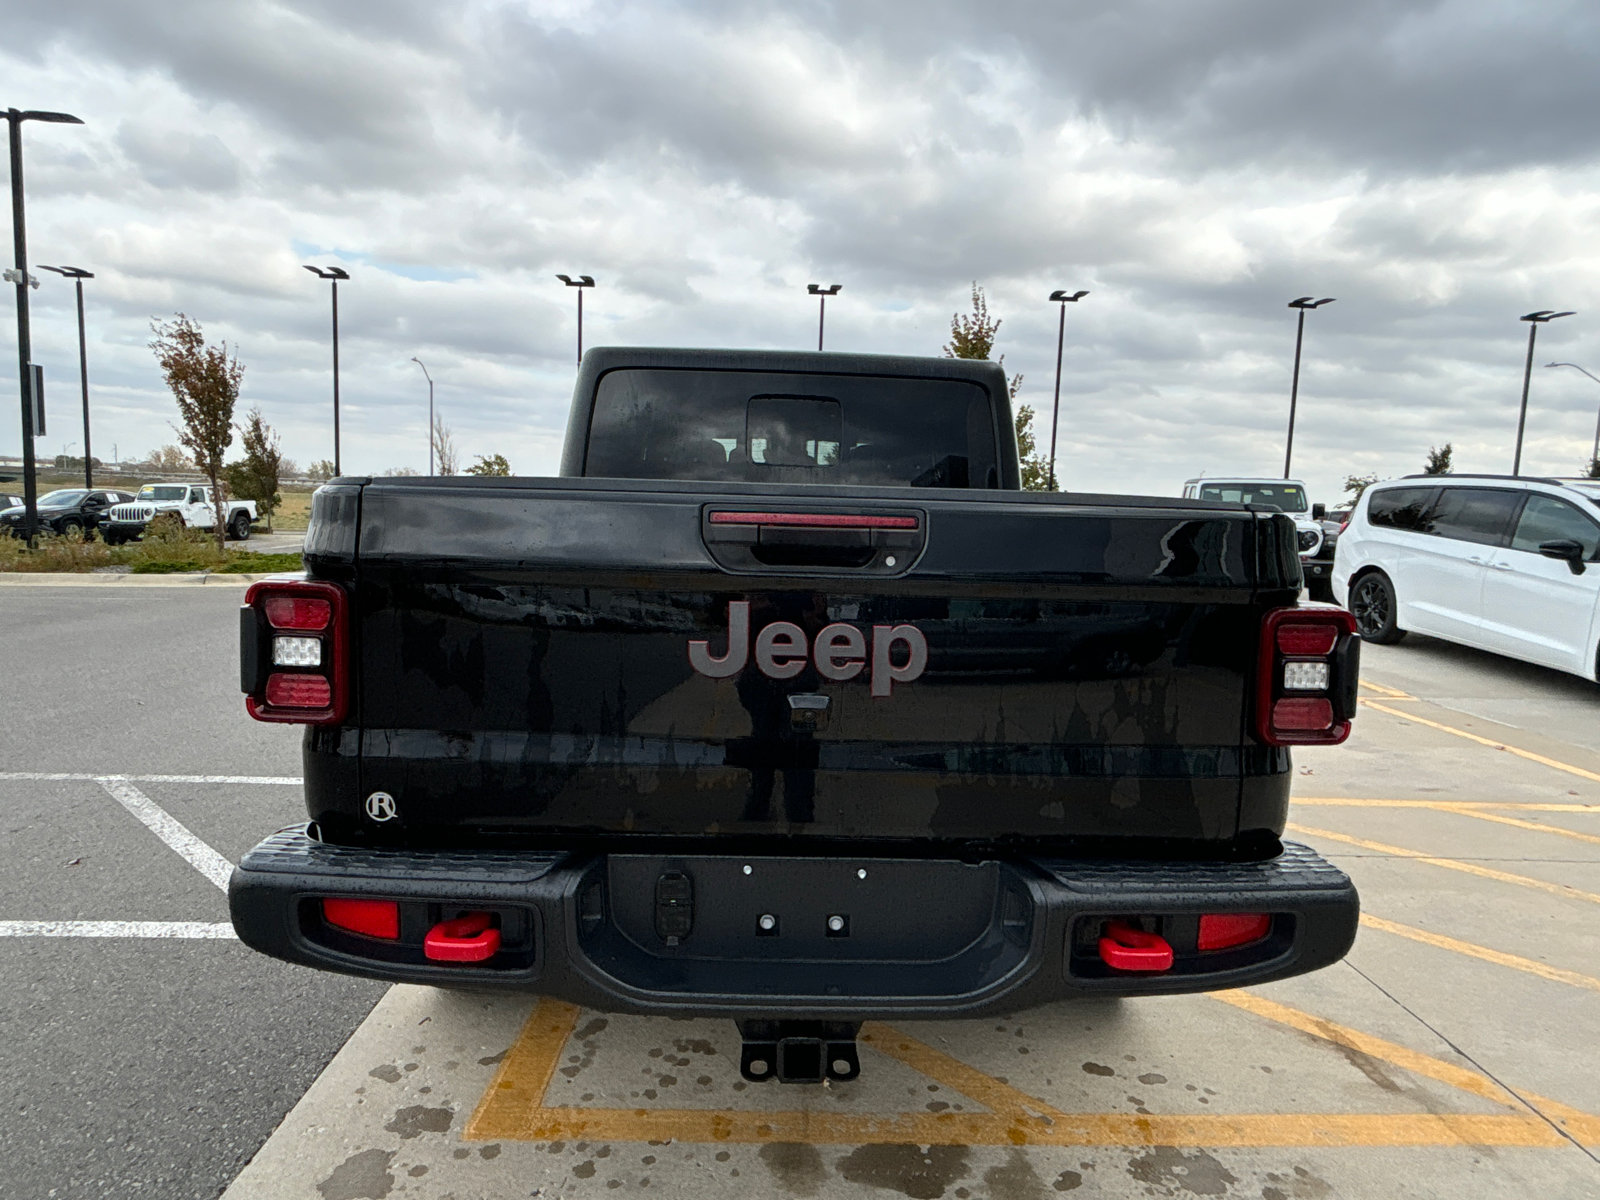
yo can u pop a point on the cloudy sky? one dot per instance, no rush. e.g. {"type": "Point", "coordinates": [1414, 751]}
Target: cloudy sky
{"type": "Point", "coordinates": [1195, 165]}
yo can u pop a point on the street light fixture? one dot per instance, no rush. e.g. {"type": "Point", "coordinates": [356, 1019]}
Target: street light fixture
{"type": "Point", "coordinates": [333, 275]}
{"type": "Point", "coordinates": [581, 282]}
{"type": "Point", "coordinates": [1303, 303]}
{"type": "Point", "coordinates": [1061, 338]}
{"type": "Point", "coordinates": [429, 378]}
{"type": "Point", "coordinates": [1596, 455]}
{"type": "Point", "coordinates": [20, 277]}
{"type": "Point", "coordinates": [822, 294]}
{"type": "Point", "coordinates": [1534, 319]}
{"type": "Point", "coordinates": [78, 275]}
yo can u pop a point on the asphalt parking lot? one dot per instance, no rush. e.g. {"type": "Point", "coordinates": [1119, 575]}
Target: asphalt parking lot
{"type": "Point", "coordinates": [1450, 1055]}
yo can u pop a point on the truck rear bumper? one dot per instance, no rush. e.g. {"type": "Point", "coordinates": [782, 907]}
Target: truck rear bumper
{"type": "Point", "coordinates": [753, 937]}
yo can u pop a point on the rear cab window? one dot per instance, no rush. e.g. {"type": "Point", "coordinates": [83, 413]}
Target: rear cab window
{"type": "Point", "coordinates": [766, 427]}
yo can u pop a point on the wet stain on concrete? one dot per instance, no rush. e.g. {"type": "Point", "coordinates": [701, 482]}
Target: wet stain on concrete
{"type": "Point", "coordinates": [1094, 1068]}
{"type": "Point", "coordinates": [1302, 1185]}
{"type": "Point", "coordinates": [585, 1169]}
{"type": "Point", "coordinates": [909, 1170]}
{"type": "Point", "coordinates": [493, 1060]}
{"type": "Point", "coordinates": [363, 1176]}
{"type": "Point", "coordinates": [418, 1171]}
{"type": "Point", "coordinates": [415, 1120]}
{"type": "Point", "coordinates": [490, 1151]}
{"type": "Point", "coordinates": [598, 1025]}
{"type": "Point", "coordinates": [796, 1168]}
{"type": "Point", "coordinates": [1068, 1181]}
{"type": "Point", "coordinates": [1152, 1079]}
{"type": "Point", "coordinates": [1173, 1171]}
{"type": "Point", "coordinates": [694, 1046]}
{"type": "Point", "coordinates": [389, 1073]}
{"type": "Point", "coordinates": [1014, 1179]}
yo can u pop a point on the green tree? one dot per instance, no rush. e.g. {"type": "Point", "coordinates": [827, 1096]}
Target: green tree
{"type": "Point", "coordinates": [205, 383]}
{"type": "Point", "coordinates": [494, 464]}
{"type": "Point", "coordinates": [1439, 460]}
{"type": "Point", "coordinates": [321, 469]}
{"type": "Point", "coordinates": [972, 335]}
{"type": "Point", "coordinates": [1592, 469]}
{"type": "Point", "coordinates": [1356, 484]}
{"type": "Point", "coordinates": [255, 477]}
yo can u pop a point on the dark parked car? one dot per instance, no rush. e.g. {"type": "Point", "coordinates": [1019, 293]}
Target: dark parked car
{"type": "Point", "coordinates": [66, 509]}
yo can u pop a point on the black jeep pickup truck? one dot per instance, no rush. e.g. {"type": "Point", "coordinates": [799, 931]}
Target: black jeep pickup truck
{"type": "Point", "coordinates": [784, 703]}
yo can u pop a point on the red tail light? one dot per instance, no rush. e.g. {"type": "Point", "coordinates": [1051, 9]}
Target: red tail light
{"type": "Point", "coordinates": [375, 918]}
{"type": "Point", "coordinates": [1221, 931]}
{"type": "Point", "coordinates": [1307, 672]}
{"type": "Point", "coordinates": [293, 644]}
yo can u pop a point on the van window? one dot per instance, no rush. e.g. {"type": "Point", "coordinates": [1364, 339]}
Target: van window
{"type": "Point", "coordinates": [1546, 519]}
{"type": "Point", "coordinates": [1471, 515]}
{"type": "Point", "coordinates": [1399, 508]}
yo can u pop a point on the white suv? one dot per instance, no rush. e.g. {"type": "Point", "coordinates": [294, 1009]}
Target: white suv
{"type": "Point", "coordinates": [1505, 564]}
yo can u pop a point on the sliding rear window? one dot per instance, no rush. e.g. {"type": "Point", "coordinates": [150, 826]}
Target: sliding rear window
{"type": "Point", "coordinates": [762, 427]}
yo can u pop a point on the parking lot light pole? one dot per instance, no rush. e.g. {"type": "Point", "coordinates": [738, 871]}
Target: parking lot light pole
{"type": "Point", "coordinates": [1593, 458]}
{"type": "Point", "coordinates": [581, 282]}
{"type": "Point", "coordinates": [333, 275]}
{"type": "Point", "coordinates": [19, 276]}
{"type": "Point", "coordinates": [822, 294]}
{"type": "Point", "coordinates": [429, 378]}
{"type": "Point", "coordinates": [1534, 319]}
{"type": "Point", "coordinates": [1061, 341]}
{"type": "Point", "coordinates": [1303, 303]}
{"type": "Point", "coordinates": [78, 275]}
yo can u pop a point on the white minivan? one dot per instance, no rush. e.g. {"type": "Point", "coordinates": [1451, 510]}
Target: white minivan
{"type": "Point", "coordinates": [1506, 564]}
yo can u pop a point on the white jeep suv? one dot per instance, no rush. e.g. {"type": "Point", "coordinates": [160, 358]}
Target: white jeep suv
{"type": "Point", "coordinates": [1506, 564]}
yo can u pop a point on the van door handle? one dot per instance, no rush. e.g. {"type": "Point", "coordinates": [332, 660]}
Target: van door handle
{"type": "Point", "coordinates": [1502, 566]}
{"type": "Point", "coordinates": [1475, 559]}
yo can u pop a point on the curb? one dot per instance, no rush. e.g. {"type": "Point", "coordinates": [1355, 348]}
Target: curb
{"type": "Point", "coordinates": [83, 579]}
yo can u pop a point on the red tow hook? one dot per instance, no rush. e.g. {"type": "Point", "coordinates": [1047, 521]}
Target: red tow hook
{"type": "Point", "coordinates": [468, 938]}
{"type": "Point", "coordinates": [1130, 949]}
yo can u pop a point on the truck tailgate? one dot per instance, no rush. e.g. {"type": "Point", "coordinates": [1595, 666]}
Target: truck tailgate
{"type": "Point", "coordinates": [554, 657]}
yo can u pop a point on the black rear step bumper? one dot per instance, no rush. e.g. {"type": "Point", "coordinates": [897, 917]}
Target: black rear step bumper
{"type": "Point", "coordinates": [918, 937]}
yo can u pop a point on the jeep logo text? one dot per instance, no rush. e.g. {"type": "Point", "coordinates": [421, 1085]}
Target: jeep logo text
{"type": "Point", "coordinates": [840, 651]}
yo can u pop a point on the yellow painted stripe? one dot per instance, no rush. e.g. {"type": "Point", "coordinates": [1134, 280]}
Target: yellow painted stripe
{"type": "Point", "coordinates": [1483, 741]}
{"type": "Point", "coordinates": [1385, 690]}
{"type": "Point", "coordinates": [1372, 1047]}
{"type": "Point", "coordinates": [1533, 825]}
{"type": "Point", "coordinates": [1444, 805]}
{"type": "Point", "coordinates": [974, 1129]}
{"type": "Point", "coordinates": [1555, 889]}
{"type": "Point", "coordinates": [954, 1074]}
{"type": "Point", "coordinates": [516, 1094]}
{"type": "Point", "coordinates": [1583, 1127]}
{"type": "Point", "coordinates": [1498, 957]}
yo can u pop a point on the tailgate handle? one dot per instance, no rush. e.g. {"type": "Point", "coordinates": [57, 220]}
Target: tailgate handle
{"type": "Point", "coordinates": [887, 542]}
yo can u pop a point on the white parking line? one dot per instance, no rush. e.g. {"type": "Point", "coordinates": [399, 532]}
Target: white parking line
{"type": "Point", "coordinates": [60, 776]}
{"type": "Point", "coordinates": [118, 929]}
{"type": "Point", "coordinates": [171, 831]}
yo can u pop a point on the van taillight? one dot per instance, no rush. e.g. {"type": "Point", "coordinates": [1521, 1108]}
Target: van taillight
{"type": "Point", "coordinates": [1306, 676]}
{"type": "Point", "coordinates": [293, 652]}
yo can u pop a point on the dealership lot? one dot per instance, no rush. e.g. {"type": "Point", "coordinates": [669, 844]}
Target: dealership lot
{"type": "Point", "coordinates": [1443, 1059]}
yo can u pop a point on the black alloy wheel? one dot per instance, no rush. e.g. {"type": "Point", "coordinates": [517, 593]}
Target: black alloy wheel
{"type": "Point", "coordinates": [240, 529]}
{"type": "Point", "coordinates": [1373, 606]}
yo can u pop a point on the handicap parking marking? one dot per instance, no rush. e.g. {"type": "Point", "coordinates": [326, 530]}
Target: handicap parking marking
{"type": "Point", "coordinates": [515, 1105]}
